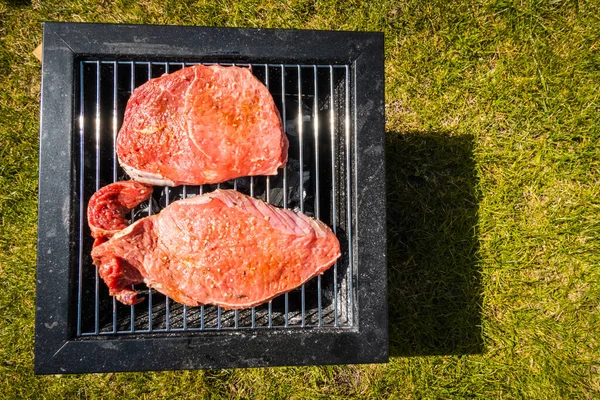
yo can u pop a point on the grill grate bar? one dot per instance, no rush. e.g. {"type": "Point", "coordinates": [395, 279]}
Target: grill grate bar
{"type": "Point", "coordinates": [275, 65]}
{"type": "Point", "coordinates": [308, 98]}
{"type": "Point", "coordinates": [97, 126]}
{"type": "Point", "coordinates": [268, 182]}
{"type": "Point", "coordinates": [285, 199]}
{"type": "Point", "coordinates": [301, 158]}
{"type": "Point", "coordinates": [300, 139]}
{"type": "Point", "coordinates": [132, 307]}
{"type": "Point", "coordinates": [185, 196]}
{"type": "Point", "coordinates": [317, 194]}
{"type": "Point", "coordinates": [333, 188]}
{"type": "Point", "coordinates": [114, 174]}
{"type": "Point", "coordinates": [167, 299]}
{"type": "Point", "coordinates": [348, 193]}
{"type": "Point", "coordinates": [114, 121]}
{"type": "Point", "coordinates": [150, 202]}
{"type": "Point", "coordinates": [285, 130]}
{"type": "Point", "coordinates": [81, 199]}
{"type": "Point", "coordinates": [189, 329]}
{"type": "Point", "coordinates": [268, 198]}
{"type": "Point", "coordinates": [201, 317]}
{"type": "Point", "coordinates": [202, 308]}
{"type": "Point", "coordinates": [253, 312]}
{"type": "Point", "coordinates": [236, 312]}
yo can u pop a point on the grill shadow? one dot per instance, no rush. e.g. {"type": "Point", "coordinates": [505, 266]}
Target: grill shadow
{"type": "Point", "coordinates": [434, 278]}
{"type": "Point", "coordinates": [19, 3]}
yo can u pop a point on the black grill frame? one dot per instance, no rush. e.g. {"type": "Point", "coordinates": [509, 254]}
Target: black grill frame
{"type": "Point", "coordinates": [59, 348]}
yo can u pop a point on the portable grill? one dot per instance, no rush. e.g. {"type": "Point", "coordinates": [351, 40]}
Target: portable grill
{"type": "Point", "coordinates": [328, 87]}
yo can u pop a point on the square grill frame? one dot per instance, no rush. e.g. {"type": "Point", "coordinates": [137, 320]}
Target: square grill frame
{"type": "Point", "coordinates": [58, 349]}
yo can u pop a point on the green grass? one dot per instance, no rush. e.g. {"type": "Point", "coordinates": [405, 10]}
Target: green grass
{"type": "Point", "coordinates": [493, 145]}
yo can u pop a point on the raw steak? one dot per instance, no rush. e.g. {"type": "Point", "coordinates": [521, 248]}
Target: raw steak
{"type": "Point", "coordinates": [221, 248]}
{"type": "Point", "coordinates": [107, 207]}
{"type": "Point", "coordinates": [201, 124]}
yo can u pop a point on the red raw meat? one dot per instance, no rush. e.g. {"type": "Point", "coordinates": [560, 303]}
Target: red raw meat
{"type": "Point", "coordinates": [108, 206]}
{"type": "Point", "coordinates": [221, 248]}
{"type": "Point", "coordinates": [201, 124]}
{"type": "Point", "coordinates": [106, 216]}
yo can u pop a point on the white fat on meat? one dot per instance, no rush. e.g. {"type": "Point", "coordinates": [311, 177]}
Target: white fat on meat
{"type": "Point", "coordinates": [146, 177]}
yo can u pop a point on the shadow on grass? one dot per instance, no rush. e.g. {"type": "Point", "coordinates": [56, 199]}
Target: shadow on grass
{"type": "Point", "coordinates": [434, 277]}
{"type": "Point", "coordinates": [18, 3]}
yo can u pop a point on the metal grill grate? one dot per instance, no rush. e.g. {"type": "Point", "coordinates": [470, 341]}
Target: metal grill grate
{"type": "Point", "coordinates": [315, 104]}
